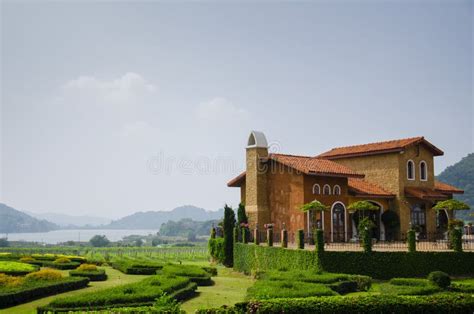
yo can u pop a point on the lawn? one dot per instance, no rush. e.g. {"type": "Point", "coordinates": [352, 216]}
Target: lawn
{"type": "Point", "coordinates": [115, 278]}
{"type": "Point", "coordinates": [229, 288]}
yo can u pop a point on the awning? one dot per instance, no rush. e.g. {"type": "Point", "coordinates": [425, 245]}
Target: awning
{"type": "Point", "coordinates": [425, 193]}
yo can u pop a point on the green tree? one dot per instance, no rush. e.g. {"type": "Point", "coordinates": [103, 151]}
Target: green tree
{"type": "Point", "coordinates": [4, 242]}
{"type": "Point", "coordinates": [241, 215]}
{"type": "Point", "coordinates": [229, 224]}
{"type": "Point", "coordinates": [99, 241]}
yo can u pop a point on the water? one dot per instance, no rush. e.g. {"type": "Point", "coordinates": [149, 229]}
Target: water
{"type": "Point", "coordinates": [54, 237]}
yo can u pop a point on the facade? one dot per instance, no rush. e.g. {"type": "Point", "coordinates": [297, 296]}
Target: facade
{"type": "Point", "coordinates": [396, 176]}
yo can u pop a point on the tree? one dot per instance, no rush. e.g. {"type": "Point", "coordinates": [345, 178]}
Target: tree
{"type": "Point", "coordinates": [241, 215]}
{"type": "Point", "coordinates": [229, 224]}
{"type": "Point", "coordinates": [192, 236]}
{"type": "Point", "coordinates": [139, 242]}
{"type": "Point", "coordinates": [4, 242]}
{"type": "Point", "coordinates": [314, 205]}
{"type": "Point", "coordinates": [451, 204]}
{"type": "Point", "coordinates": [99, 241]}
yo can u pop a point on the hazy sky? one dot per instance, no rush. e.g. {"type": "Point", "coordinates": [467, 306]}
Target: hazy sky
{"type": "Point", "coordinates": [110, 108]}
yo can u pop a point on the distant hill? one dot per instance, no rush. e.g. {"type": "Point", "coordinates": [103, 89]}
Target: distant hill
{"type": "Point", "coordinates": [461, 175]}
{"type": "Point", "coordinates": [69, 221]}
{"type": "Point", "coordinates": [187, 226]}
{"type": "Point", "coordinates": [14, 221]}
{"type": "Point", "coordinates": [154, 219]}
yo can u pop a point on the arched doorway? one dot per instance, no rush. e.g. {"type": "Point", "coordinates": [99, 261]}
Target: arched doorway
{"type": "Point", "coordinates": [378, 232]}
{"type": "Point", "coordinates": [338, 222]}
{"type": "Point", "coordinates": [442, 223]}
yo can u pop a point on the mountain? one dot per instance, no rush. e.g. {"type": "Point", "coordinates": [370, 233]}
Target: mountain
{"type": "Point", "coordinates": [64, 220]}
{"type": "Point", "coordinates": [154, 219]}
{"type": "Point", "coordinates": [461, 175]}
{"type": "Point", "coordinates": [13, 221]}
{"type": "Point", "coordinates": [187, 226]}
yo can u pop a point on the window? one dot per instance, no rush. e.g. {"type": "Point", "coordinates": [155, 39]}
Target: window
{"type": "Point", "coordinates": [337, 190]}
{"type": "Point", "coordinates": [411, 170]}
{"type": "Point", "coordinates": [327, 190]}
{"type": "Point", "coordinates": [316, 189]}
{"type": "Point", "coordinates": [423, 171]}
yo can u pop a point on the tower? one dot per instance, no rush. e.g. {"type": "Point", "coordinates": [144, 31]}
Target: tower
{"type": "Point", "coordinates": [256, 196]}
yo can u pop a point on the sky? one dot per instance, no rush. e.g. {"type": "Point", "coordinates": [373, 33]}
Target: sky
{"type": "Point", "coordinates": [108, 108]}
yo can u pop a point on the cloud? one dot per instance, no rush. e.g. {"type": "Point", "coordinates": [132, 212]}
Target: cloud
{"type": "Point", "coordinates": [138, 129]}
{"type": "Point", "coordinates": [220, 109]}
{"type": "Point", "coordinates": [125, 89]}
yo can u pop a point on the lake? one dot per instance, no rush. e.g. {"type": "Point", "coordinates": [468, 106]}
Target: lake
{"type": "Point", "coordinates": [54, 237]}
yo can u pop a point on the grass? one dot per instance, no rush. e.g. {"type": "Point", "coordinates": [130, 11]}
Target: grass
{"type": "Point", "coordinates": [229, 288]}
{"type": "Point", "coordinates": [115, 278]}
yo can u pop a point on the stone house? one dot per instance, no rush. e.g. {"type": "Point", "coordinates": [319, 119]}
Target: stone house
{"type": "Point", "coordinates": [397, 176]}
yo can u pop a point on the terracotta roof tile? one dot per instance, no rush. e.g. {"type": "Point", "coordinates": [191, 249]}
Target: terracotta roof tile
{"type": "Point", "coordinates": [237, 181]}
{"type": "Point", "coordinates": [424, 193]}
{"type": "Point", "coordinates": [362, 187]}
{"type": "Point", "coordinates": [314, 165]}
{"type": "Point", "coordinates": [378, 148]}
{"type": "Point", "coordinates": [446, 188]}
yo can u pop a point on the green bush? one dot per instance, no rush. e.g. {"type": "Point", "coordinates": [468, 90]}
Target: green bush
{"type": "Point", "coordinates": [194, 273]}
{"type": "Point", "coordinates": [16, 268]}
{"type": "Point", "coordinates": [387, 288]}
{"type": "Point", "coordinates": [319, 241]}
{"type": "Point", "coordinates": [344, 287]}
{"type": "Point", "coordinates": [61, 265]}
{"type": "Point", "coordinates": [35, 289]}
{"type": "Point", "coordinates": [216, 249]}
{"type": "Point", "coordinates": [440, 279]}
{"type": "Point", "coordinates": [284, 238]}
{"type": "Point", "coordinates": [411, 241]}
{"type": "Point", "coordinates": [229, 224]}
{"type": "Point", "coordinates": [300, 239]}
{"type": "Point", "coordinates": [136, 266]}
{"type": "Point", "coordinates": [439, 304]}
{"type": "Point", "coordinates": [93, 275]}
{"type": "Point", "coordinates": [267, 289]}
{"type": "Point", "coordinates": [379, 265]}
{"type": "Point", "coordinates": [141, 293]}
{"type": "Point", "coordinates": [455, 237]}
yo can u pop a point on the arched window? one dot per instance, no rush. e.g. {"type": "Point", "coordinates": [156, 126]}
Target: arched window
{"type": "Point", "coordinates": [423, 171]}
{"type": "Point", "coordinates": [316, 189]}
{"type": "Point", "coordinates": [411, 170]}
{"type": "Point", "coordinates": [326, 189]}
{"type": "Point", "coordinates": [336, 190]}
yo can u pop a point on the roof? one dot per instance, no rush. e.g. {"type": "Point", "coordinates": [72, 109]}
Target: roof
{"type": "Point", "coordinates": [361, 187]}
{"type": "Point", "coordinates": [379, 148]}
{"type": "Point", "coordinates": [306, 165]}
{"type": "Point", "coordinates": [424, 193]}
{"type": "Point", "coordinates": [446, 188]}
{"type": "Point", "coordinates": [237, 181]}
{"type": "Point", "coordinates": [314, 165]}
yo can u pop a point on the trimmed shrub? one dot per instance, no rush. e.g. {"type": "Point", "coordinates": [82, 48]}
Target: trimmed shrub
{"type": "Point", "coordinates": [439, 304]}
{"type": "Point", "coordinates": [267, 289]}
{"type": "Point", "coordinates": [216, 249]}
{"type": "Point", "coordinates": [10, 281]}
{"type": "Point", "coordinates": [380, 265]}
{"type": "Point", "coordinates": [284, 238]}
{"type": "Point", "coordinates": [300, 239]}
{"type": "Point", "coordinates": [35, 289]}
{"type": "Point", "coordinates": [269, 236]}
{"type": "Point", "coordinates": [229, 234]}
{"type": "Point", "coordinates": [409, 282]}
{"type": "Point", "coordinates": [455, 236]}
{"type": "Point", "coordinates": [27, 259]}
{"type": "Point", "coordinates": [440, 279]}
{"type": "Point", "coordinates": [194, 273]}
{"type": "Point", "coordinates": [141, 293]}
{"type": "Point", "coordinates": [411, 240]}
{"type": "Point", "coordinates": [93, 275]}
{"type": "Point", "coordinates": [45, 274]}
{"type": "Point", "coordinates": [16, 268]}
{"type": "Point", "coordinates": [386, 288]}
{"type": "Point", "coordinates": [136, 266]}
{"type": "Point", "coordinates": [343, 287]}
{"type": "Point", "coordinates": [62, 265]}
{"type": "Point", "coordinates": [244, 235]}
{"type": "Point", "coordinates": [319, 241]}
{"type": "Point", "coordinates": [87, 267]}
{"type": "Point", "coordinates": [62, 260]}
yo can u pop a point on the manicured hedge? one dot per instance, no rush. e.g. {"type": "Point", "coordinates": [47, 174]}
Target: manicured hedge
{"type": "Point", "coordinates": [16, 268]}
{"type": "Point", "coordinates": [40, 290]}
{"type": "Point", "coordinates": [380, 265]}
{"type": "Point", "coordinates": [194, 273]}
{"type": "Point", "coordinates": [248, 257]}
{"type": "Point", "coordinates": [136, 266]}
{"type": "Point", "coordinates": [62, 266]}
{"type": "Point", "coordinates": [93, 275]}
{"type": "Point", "coordinates": [216, 249]}
{"type": "Point", "coordinates": [141, 293]}
{"type": "Point", "coordinates": [438, 304]}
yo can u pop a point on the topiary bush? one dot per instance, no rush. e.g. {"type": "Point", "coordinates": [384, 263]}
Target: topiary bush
{"type": "Point", "coordinates": [62, 260]}
{"type": "Point", "coordinates": [439, 278]}
{"type": "Point", "coordinates": [300, 239]}
{"type": "Point", "coordinates": [45, 274]}
{"type": "Point", "coordinates": [411, 240]}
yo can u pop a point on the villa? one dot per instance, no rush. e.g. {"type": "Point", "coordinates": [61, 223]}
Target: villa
{"type": "Point", "coordinates": [397, 176]}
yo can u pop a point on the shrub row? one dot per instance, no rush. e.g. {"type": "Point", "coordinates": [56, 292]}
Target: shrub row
{"type": "Point", "coordinates": [141, 293]}
{"type": "Point", "coordinates": [16, 268]}
{"type": "Point", "coordinates": [194, 273]}
{"type": "Point", "coordinates": [380, 265]}
{"type": "Point", "coordinates": [136, 266]}
{"type": "Point", "coordinates": [448, 303]}
{"type": "Point", "coordinates": [62, 266]}
{"type": "Point", "coordinates": [40, 290]}
{"type": "Point", "coordinates": [93, 275]}
{"type": "Point", "coordinates": [267, 289]}
{"type": "Point", "coordinates": [216, 249]}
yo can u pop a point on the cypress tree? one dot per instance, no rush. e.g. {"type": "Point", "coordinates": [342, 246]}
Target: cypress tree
{"type": "Point", "coordinates": [229, 224]}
